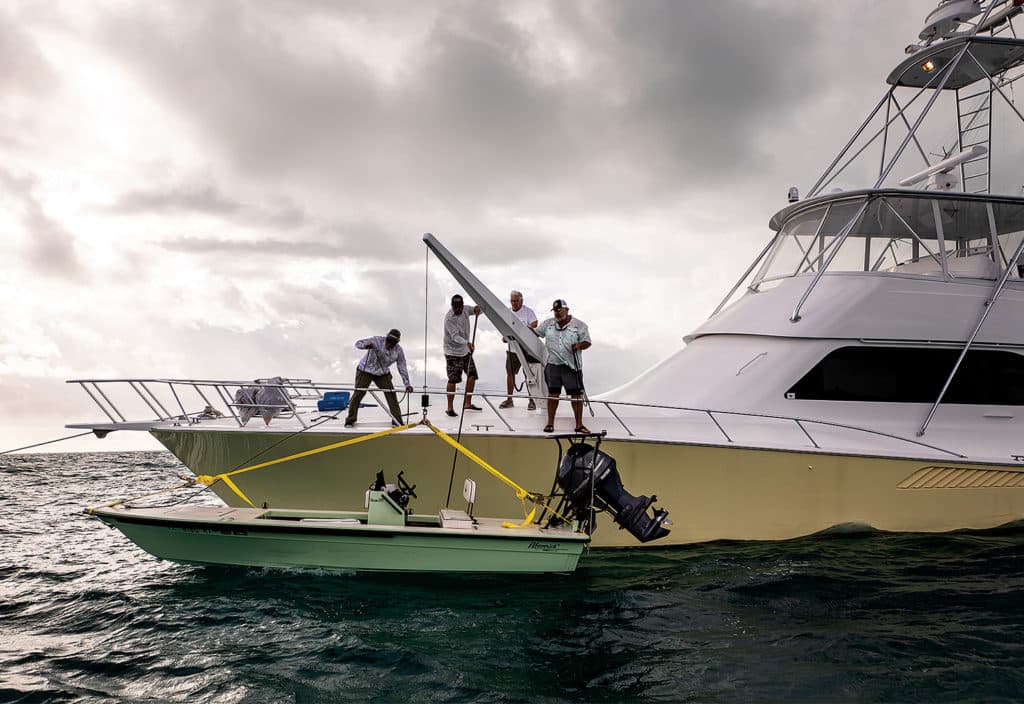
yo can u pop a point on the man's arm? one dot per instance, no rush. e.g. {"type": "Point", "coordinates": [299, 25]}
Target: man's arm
{"type": "Point", "coordinates": [584, 335]}
{"type": "Point", "coordinates": [402, 370]}
{"type": "Point", "coordinates": [365, 344]}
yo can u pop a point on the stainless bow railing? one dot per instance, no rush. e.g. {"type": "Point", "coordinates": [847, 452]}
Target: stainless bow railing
{"type": "Point", "coordinates": [300, 402]}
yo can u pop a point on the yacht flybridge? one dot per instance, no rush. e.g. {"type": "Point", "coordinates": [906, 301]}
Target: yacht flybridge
{"type": "Point", "coordinates": [866, 370]}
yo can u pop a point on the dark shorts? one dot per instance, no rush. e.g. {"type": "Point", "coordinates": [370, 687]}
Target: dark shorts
{"type": "Point", "coordinates": [456, 365]}
{"type": "Point", "coordinates": [558, 375]}
{"type": "Point", "coordinates": [513, 365]}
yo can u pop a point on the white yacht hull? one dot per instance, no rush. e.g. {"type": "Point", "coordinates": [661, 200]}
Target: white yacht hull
{"type": "Point", "coordinates": [712, 492]}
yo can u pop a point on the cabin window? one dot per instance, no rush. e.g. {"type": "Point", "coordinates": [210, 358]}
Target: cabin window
{"type": "Point", "coordinates": [909, 234]}
{"type": "Point", "coordinates": [914, 375]}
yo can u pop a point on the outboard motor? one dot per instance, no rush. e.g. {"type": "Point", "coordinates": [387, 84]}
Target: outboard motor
{"type": "Point", "coordinates": [582, 461]}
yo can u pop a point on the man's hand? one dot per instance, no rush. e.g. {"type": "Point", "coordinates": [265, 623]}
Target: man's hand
{"type": "Point", "coordinates": [408, 389]}
{"type": "Point", "coordinates": [476, 310]}
{"type": "Point", "coordinates": [368, 346]}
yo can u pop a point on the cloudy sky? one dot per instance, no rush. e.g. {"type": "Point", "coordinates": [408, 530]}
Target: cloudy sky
{"type": "Point", "coordinates": [239, 189]}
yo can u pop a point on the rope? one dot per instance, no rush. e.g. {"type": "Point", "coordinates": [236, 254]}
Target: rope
{"type": "Point", "coordinates": [210, 480]}
{"type": "Point", "coordinates": [112, 504]}
{"type": "Point", "coordinates": [538, 500]}
{"type": "Point", "coordinates": [286, 438]}
{"type": "Point", "coordinates": [40, 444]}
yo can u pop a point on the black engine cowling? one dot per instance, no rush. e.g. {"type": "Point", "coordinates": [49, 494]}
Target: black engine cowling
{"type": "Point", "coordinates": [630, 512]}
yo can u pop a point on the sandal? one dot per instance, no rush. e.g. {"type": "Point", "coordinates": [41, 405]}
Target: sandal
{"type": "Point", "coordinates": [506, 404]}
{"type": "Point", "coordinates": [471, 407]}
{"type": "Point", "coordinates": [549, 428]}
{"type": "Point", "coordinates": [583, 430]}
{"type": "Point", "coordinates": [451, 413]}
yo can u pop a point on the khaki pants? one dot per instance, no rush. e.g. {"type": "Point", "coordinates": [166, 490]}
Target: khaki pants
{"type": "Point", "coordinates": [383, 381]}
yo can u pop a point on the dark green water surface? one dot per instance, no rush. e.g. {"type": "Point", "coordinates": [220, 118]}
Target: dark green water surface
{"type": "Point", "coordinates": [86, 616]}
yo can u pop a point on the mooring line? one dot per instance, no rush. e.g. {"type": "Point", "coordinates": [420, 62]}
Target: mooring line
{"type": "Point", "coordinates": [40, 444]}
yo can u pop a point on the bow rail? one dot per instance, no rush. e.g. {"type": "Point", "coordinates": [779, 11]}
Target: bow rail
{"type": "Point", "coordinates": [178, 401]}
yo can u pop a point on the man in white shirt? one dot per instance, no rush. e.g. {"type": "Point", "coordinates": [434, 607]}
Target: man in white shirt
{"type": "Point", "coordinates": [512, 363]}
{"type": "Point", "coordinates": [381, 353]}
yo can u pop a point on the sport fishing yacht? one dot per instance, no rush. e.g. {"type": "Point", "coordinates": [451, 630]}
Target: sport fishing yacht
{"type": "Point", "coordinates": [867, 370]}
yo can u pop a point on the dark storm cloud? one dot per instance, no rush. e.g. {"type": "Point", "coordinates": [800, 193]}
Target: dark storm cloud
{"type": "Point", "coordinates": [50, 246]}
{"type": "Point", "coordinates": [474, 116]}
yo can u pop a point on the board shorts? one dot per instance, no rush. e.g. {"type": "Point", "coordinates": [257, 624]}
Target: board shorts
{"type": "Point", "coordinates": [454, 366]}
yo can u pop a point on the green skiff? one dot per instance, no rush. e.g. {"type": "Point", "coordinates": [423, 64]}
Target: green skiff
{"type": "Point", "coordinates": [450, 541]}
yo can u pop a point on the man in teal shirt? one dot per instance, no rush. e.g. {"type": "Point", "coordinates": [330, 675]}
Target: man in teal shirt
{"type": "Point", "coordinates": [565, 337]}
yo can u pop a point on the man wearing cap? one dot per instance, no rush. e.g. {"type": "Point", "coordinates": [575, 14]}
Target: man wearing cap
{"type": "Point", "coordinates": [381, 353]}
{"type": "Point", "coordinates": [512, 364]}
{"type": "Point", "coordinates": [564, 337]}
{"type": "Point", "coordinates": [458, 353]}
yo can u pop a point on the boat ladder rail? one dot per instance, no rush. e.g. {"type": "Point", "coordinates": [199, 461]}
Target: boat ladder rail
{"type": "Point", "coordinates": [301, 396]}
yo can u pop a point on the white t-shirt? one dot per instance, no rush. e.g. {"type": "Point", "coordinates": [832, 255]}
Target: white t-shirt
{"type": "Point", "coordinates": [526, 317]}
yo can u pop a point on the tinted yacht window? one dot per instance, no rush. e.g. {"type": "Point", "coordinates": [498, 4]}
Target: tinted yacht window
{"type": "Point", "coordinates": [914, 375]}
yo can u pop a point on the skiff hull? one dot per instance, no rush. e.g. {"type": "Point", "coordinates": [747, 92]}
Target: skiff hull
{"type": "Point", "coordinates": [206, 535]}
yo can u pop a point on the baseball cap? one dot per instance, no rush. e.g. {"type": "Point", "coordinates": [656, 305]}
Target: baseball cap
{"type": "Point", "coordinates": [456, 300]}
{"type": "Point", "coordinates": [395, 333]}
{"type": "Point", "coordinates": [559, 303]}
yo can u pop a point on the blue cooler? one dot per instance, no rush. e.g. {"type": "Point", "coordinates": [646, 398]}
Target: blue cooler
{"type": "Point", "coordinates": [333, 401]}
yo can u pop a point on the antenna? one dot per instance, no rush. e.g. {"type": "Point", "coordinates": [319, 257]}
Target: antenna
{"type": "Point", "coordinates": [945, 166]}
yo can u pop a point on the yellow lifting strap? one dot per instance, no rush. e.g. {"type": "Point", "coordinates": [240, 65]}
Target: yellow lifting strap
{"type": "Point", "coordinates": [521, 493]}
{"type": "Point", "coordinates": [211, 479]}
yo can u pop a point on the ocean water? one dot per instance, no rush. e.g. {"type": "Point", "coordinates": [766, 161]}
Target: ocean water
{"type": "Point", "coordinates": [85, 616]}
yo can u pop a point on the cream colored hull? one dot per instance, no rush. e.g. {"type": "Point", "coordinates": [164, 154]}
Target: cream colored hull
{"type": "Point", "coordinates": [711, 492]}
